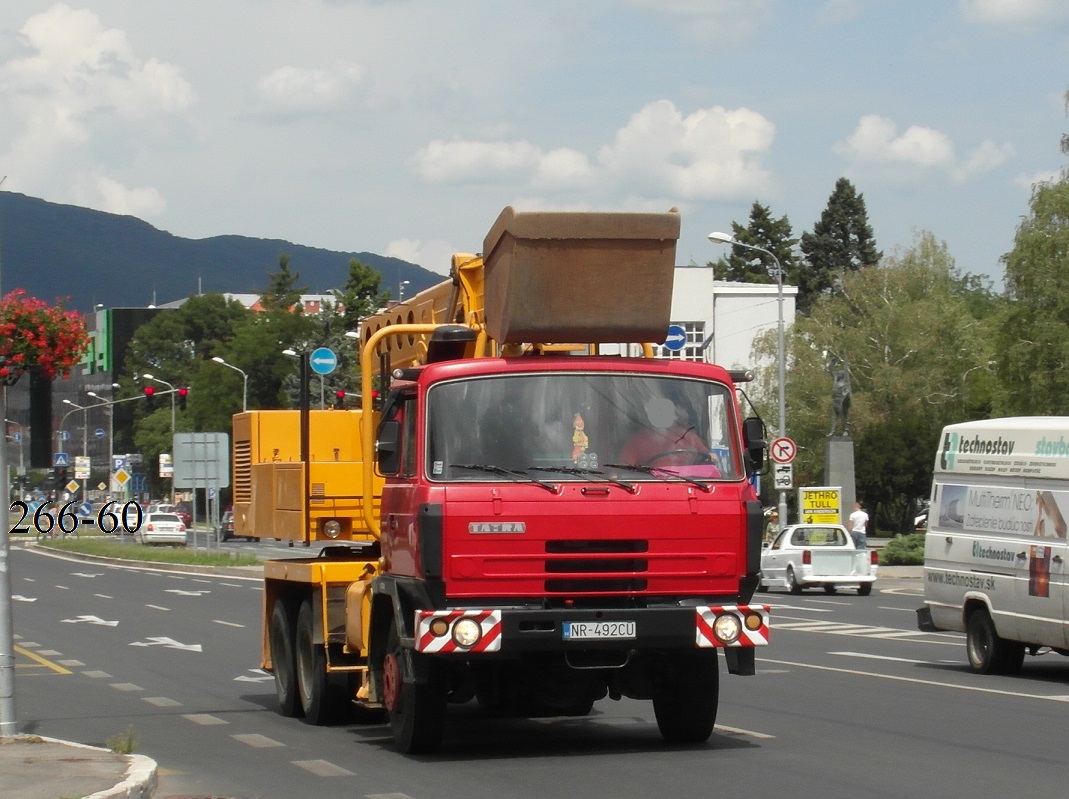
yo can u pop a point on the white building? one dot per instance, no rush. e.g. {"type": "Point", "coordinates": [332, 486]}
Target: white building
{"type": "Point", "coordinates": [722, 319]}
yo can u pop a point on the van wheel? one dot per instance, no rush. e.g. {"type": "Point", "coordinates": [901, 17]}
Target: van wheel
{"type": "Point", "coordinates": [282, 658]}
{"type": "Point", "coordinates": [792, 582]}
{"type": "Point", "coordinates": [988, 652]}
{"type": "Point", "coordinates": [864, 589]}
{"type": "Point", "coordinates": [829, 588]}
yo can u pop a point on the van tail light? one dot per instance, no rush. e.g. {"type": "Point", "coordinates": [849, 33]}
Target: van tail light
{"type": "Point", "coordinates": [874, 557]}
{"type": "Point", "coordinates": [807, 557]}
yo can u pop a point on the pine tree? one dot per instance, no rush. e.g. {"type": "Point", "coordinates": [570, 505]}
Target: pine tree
{"type": "Point", "coordinates": [282, 293]}
{"type": "Point", "coordinates": [746, 265]}
{"type": "Point", "coordinates": [841, 242]}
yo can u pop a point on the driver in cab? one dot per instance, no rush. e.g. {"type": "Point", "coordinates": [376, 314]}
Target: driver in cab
{"type": "Point", "coordinates": [668, 441]}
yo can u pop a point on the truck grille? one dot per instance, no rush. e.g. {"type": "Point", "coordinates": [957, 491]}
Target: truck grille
{"type": "Point", "coordinates": [596, 566]}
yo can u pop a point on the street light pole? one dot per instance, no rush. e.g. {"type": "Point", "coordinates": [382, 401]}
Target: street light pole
{"type": "Point", "coordinates": [244, 385]}
{"type": "Point", "coordinates": [725, 238]}
{"type": "Point", "coordinates": [85, 433]}
{"type": "Point", "coordinates": [173, 391]}
{"type": "Point", "coordinates": [401, 289]}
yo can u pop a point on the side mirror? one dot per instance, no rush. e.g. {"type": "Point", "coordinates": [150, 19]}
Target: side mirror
{"type": "Point", "coordinates": [388, 447]}
{"type": "Point", "coordinates": [753, 437]}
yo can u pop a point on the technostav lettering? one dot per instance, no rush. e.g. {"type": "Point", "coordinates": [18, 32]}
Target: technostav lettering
{"type": "Point", "coordinates": [982, 446]}
{"type": "Point", "coordinates": [1051, 448]}
{"type": "Point", "coordinates": [990, 553]}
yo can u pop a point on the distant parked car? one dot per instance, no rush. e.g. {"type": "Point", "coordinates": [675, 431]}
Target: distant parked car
{"type": "Point", "coordinates": [161, 528]}
{"type": "Point", "coordinates": [166, 507]}
{"type": "Point", "coordinates": [226, 528]}
{"type": "Point", "coordinates": [817, 556]}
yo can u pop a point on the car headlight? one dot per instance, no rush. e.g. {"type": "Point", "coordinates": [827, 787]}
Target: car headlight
{"type": "Point", "coordinates": [467, 632]}
{"type": "Point", "coordinates": [727, 628]}
{"type": "Point", "coordinates": [332, 529]}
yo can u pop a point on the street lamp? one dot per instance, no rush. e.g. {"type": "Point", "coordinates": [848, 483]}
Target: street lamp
{"type": "Point", "coordinates": [401, 289]}
{"type": "Point", "coordinates": [85, 430]}
{"type": "Point", "coordinates": [245, 381]}
{"type": "Point", "coordinates": [20, 441]}
{"type": "Point", "coordinates": [173, 392]}
{"type": "Point", "coordinates": [725, 238]}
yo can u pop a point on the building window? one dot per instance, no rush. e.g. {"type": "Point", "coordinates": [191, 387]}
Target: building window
{"type": "Point", "coordinates": [692, 350]}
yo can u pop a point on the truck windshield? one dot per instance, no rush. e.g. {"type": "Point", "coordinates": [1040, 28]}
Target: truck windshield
{"type": "Point", "coordinates": [579, 426]}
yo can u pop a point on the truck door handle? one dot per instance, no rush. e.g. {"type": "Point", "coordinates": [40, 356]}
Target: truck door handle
{"type": "Point", "coordinates": [1057, 559]}
{"type": "Point", "coordinates": [1021, 556]}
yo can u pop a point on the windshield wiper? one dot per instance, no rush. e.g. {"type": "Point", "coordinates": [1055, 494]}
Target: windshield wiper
{"type": "Point", "coordinates": [628, 487]}
{"type": "Point", "coordinates": [521, 475]}
{"type": "Point", "coordinates": [657, 471]}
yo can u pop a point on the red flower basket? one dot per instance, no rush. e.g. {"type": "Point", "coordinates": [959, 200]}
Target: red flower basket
{"type": "Point", "coordinates": [33, 334]}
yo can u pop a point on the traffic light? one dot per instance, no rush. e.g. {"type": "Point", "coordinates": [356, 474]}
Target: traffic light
{"type": "Point", "coordinates": [150, 397]}
{"type": "Point", "coordinates": [183, 392]}
{"type": "Point", "coordinates": [59, 479]}
{"type": "Point", "coordinates": [339, 400]}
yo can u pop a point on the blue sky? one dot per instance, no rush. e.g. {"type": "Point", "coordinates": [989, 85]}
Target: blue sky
{"type": "Point", "coordinates": [403, 127]}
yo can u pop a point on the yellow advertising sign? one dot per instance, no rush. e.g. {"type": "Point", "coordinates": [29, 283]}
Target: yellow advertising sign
{"type": "Point", "coordinates": [821, 505]}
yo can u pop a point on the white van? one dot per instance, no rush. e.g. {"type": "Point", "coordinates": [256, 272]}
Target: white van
{"type": "Point", "coordinates": [995, 552]}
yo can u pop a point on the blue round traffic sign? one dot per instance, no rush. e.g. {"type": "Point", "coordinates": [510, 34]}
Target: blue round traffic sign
{"type": "Point", "coordinates": [323, 361]}
{"type": "Point", "coordinates": [676, 338]}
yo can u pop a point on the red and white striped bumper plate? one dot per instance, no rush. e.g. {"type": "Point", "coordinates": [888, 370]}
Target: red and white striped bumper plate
{"type": "Point", "coordinates": [489, 622]}
{"type": "Point", "coordinates": [705, 617]}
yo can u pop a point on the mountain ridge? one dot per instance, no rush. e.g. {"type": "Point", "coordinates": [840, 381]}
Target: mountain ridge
{"type": "Point", "coordinates": [85, 257]}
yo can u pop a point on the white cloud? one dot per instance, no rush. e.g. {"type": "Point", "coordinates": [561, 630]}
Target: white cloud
{"type": "Point", "coordinates": [727, 20]}
{"type": "Point", "coordinates": [1042, 176]}
{"type": "Point", "coordinates": [304, 88]}
{"type": "Point", "coordinates": [876, 140]}
{"type": "Point", "coordinates": [435, 255]}
{"type": "Point", "coordinates": [106, 194]}
{"type": "Point", "coordinates": [1019, 14]}
{"type": "Point", "coordinates": [712, 153]}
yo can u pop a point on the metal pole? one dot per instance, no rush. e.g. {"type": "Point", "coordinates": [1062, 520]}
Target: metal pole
{"type": "Point", "coordinates": [8, 726]}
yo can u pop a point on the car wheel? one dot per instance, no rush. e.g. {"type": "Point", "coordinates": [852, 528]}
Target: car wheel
{"type": "Point", "coordinates": [686, 705]}
{"type": "Point", "coordinates": [281, 635]}
{"type": "Point", "coordinates": [988, 652]}
{"type": "Point", "coordinates": [792, 582]}
{"type": "Point", "coordinates": [864, 589]}
{"type": "Point", "coordinates": [416, 710]}
{"type": "Point", "coordinates": [829, 588]}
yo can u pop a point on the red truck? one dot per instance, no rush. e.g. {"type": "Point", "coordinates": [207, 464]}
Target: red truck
{"type": "Point", "coordinates": [528, 522]}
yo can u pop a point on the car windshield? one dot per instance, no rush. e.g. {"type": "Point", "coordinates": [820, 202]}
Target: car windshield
{"type": "Point", "coordinates": [818, 537]}
{"type": "Point", "coordinates": [578, 426]}
{"type": "Point", "coordinates": [169, 518]}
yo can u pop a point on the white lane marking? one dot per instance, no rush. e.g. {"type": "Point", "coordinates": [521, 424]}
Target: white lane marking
{"type": "Point", "coordinates": [97, 675]}
{"type": "Point", "coordinates": [70, 664]}
{"type": "Point", "coordinates": [228, 623]}
{"type": "Point", "coordinates": [103, 596]}
{"type": "Point", "coordinates": [868, 656]}
{"type": "Point", "coordinates": [157, 607]}
{"type": "Point", "coordinates": [256, 741]}
{"type": "Point", "coordinates": [126, 686]}
{"type": "Point", "coordinates": [181, 592]}
{"type": "Point", "coordinates": [90, 620]}
{"type": "Point", "coordinates": [204, 719]}
{"type": "Point", "coordinates": [161, 701]}
{"type": "Point", "coordinates": [21, 598]}
{"type": "Point", "coordinates": [917, 681]}
{"type": "Point", "coordinates": [48, 653]}
{"type": "Point", "coordinates": [85, 574]}
{"type": "Point", "coordinates": [323, 768]}
{"type": "Point", "coordinates": [739, 731]}
{"type": "Point", "coordinates": [261, 676]}
{"type": "Point", "coordinates": [170, 643]}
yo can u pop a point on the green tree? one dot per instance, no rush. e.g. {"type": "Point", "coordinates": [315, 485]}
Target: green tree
{"type": "Point", "coordinates": [1032, 346]}
{"type": "Point", "coordinates": [913, 345]}
{"type": "Point", "coordinates": [361, 295]}
{"type": "Point", "coordinates": [841, 242]}
{"type": "Point", "coordinates": [283, 292]}
{"type": "Point", "coordinates": [746, 265]}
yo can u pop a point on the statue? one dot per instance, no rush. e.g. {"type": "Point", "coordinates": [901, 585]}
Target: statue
{"type": "Point", "coordinates": [840, 396]}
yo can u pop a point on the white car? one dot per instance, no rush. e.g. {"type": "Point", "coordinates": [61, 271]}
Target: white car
{"type": "Point", "coordinates": [161, 528]}
{"type": "Point", "coordinates": [817, 555]}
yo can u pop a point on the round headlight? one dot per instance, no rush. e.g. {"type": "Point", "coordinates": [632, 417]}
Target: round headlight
{"type": "Point", "coordinates": [727, 628]}
{"type": "Point", "coordinates": [332, 529]}
{"type": "Point", "coordinates": [467, 632]}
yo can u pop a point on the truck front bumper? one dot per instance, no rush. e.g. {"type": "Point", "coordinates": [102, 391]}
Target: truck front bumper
{"type": "Point", "coordinates": [486, 630]}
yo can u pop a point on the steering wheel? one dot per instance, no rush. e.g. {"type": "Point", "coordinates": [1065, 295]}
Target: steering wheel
{"type": "Point", "coordinates": [697, 456]}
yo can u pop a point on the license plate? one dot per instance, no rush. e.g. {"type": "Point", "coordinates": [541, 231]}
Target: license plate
{"type": "Point", "coordinates": [598, 629]}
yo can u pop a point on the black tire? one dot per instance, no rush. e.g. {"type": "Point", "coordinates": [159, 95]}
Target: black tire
{"type": "Point", "coordinates": [281, 634]}
{"type": "Point", "coordinates": [416, 710]}
{"type": "Point", "coordinates": [829, 588]}
{"type": "Point", "coordinates": [988, 652]}
{"type": "Point", "coordinates": [864, 589]}
{"type": "Point", "coordinates": [687, 705]}
{"type": "Point", "coordinates": [792, 582]}
{"type": "Point", "coordinates": [323, 696]}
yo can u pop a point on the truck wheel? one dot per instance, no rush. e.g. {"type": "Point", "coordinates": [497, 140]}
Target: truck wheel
{"type": "Point", "coordinates": [864, 589]}
{"type": "Point", "coordinates": [792, 582]}
{"type": "Point", "coordinates": [686, 706]}
{"type": "Point", "coordinates": [416, 710]}
{"type": "Point", "coordinates": [323, 696]}
{"type": "Point", "coordinates": [829, 588]}
{"type": "Point", "coordinates": [281, 639]}
{"type": "Point", "coordinates": [988, 652]}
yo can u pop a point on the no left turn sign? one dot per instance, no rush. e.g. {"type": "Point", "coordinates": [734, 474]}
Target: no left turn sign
{"type": "Point", "coordinates": [782, 450]}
